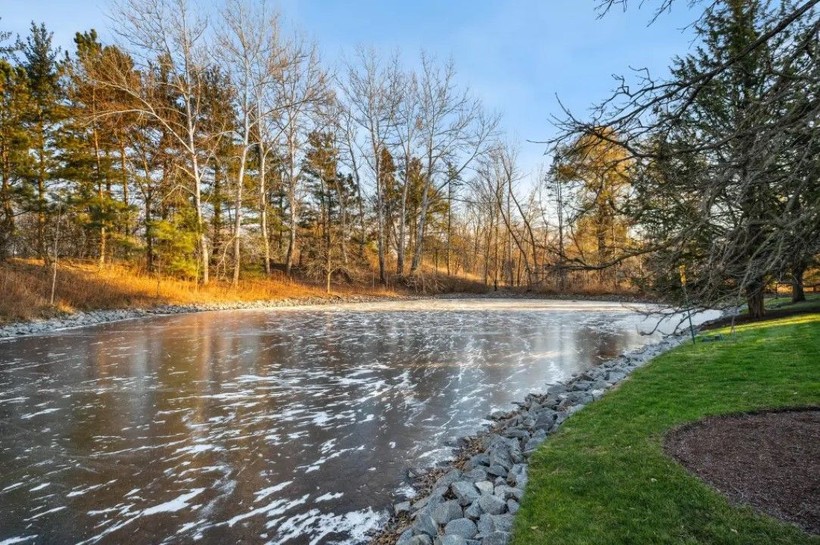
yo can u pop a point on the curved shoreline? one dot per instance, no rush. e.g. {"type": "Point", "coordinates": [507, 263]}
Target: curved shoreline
{"type": "Point", "coordinates": [473, 499]}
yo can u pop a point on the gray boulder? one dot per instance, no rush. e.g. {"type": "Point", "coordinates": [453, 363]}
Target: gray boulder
{"type": "Point", "coordinates": [447, 511]}
{"type": "Point", "coordinates": [465, 491]}
{"type": "Point", "coordinates": [497, 470]}
{"type": "Point", "coordinates": [479, 460]}
{"type": "Point", "coordinates": [474, 511]}
{"type": "Point", "coordinates": [449, 478]}
{"type": "Point", "coordinates": [492, 505]}
{"type": "Point", "coordinates": [518, 476]}
{"type": "Point", "coordinates": [475, 475]}
{"type": "Point", "coordinates": [512, 506]}
{"type": "Point", "coordinates": [463, 527]}
{"type": "Point", "coordinates": [556, 389]}
{"type": "Point", "coordinates": [506, 492]}
{"type": "Point", "coordinates": [488, 524]}
{"type": "Point", "coordinates": [405, 537]}
{"type": "Point", "coordinates": [421, 539]}
{"type": "Point", "coordinates": [485, 487]}
{"type": "Point", "coordinates": [425, 524]}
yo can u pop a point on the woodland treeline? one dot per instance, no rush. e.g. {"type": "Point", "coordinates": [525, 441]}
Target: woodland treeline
{"type": "Point", "coordinates": [219, 145]}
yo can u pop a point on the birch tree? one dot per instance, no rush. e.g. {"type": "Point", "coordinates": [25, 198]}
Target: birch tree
{"type": "Point", "coordinates": [302, 87]}
{"type": "Point", "coordinates": [251, 46]}
{"type": "Point", "coordinates": [170, 36]}
{"type": "Point", "coordinates": [371, 93]}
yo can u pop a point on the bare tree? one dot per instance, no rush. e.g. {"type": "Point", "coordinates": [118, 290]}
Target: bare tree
{"type": "Point", "coordinates": [496, 178]}
{"type": "Point", "coordinates": [302, 87]}
{"type": "Point", "coordinates": [408, 129]}
{"type": "Point", "coordinates": [455, 130]}
{"type": "Point", "coordinates": [250, 45]}
{"type": "Point", "coordinates": [372, 94]}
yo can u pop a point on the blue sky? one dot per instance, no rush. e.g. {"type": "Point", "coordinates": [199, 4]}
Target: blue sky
{"type": "Point", "coordinates": [517, 55]}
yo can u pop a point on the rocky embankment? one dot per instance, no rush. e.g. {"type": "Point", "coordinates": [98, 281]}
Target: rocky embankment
{"type": "Point", "coordinates": [474, 500]}
{"type": "Point", "coordinates": [81, 319]}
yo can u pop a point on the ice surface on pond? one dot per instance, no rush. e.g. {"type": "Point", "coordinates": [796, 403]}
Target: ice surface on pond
{"type": "Point", "coordinates": [280, 426]}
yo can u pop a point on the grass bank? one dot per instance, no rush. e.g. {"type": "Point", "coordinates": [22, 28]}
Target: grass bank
{"type": "Point", "coordinates": [604, 478]}
{"type": "Point", "coordinates": [811, 304]}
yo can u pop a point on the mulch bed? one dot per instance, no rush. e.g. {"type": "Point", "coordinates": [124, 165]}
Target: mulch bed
{"type": "Point", "coordinates": [769, 460]}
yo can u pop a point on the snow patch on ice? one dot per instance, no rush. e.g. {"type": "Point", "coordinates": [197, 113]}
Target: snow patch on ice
{"type": "Point", "coordinates": [88, 489]}
{"type": "Point", "coordinates": [17, 539]}
{"type": "Point", "coordinates": [355, 525]}
{"type": "Point", "coordinates": [44, 513]}
{"type": "Point", "coordinates": [329, 496]}
{"type": "Point", "coordinates": [32, 415]}
{"type": "Point", "coordinates": [276, 507]}
{"type": "Point", "coordinates": [174, 505]}
{"type": "Point", "coordinates": [265, 492]}
{"type": "Point", "coordinates": [196, 449]}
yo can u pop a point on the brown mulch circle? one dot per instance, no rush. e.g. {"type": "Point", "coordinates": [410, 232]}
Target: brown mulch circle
{"type": "Point", "coordinates": [769, 460]}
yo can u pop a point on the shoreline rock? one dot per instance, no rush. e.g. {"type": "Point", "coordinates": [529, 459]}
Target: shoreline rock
{"type": "Point", "coordinates": [473, 499]}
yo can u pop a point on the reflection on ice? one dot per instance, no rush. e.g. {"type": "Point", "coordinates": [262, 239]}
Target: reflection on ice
{"type": "Point", "coordinates": [285, 426]}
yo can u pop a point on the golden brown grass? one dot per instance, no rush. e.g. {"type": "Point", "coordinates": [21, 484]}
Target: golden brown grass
{"type": "Point", "coordinates": [25, 289]}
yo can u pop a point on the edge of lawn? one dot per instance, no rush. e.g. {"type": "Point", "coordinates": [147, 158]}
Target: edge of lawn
{"type": "Point", "coordinates": [604, 478]}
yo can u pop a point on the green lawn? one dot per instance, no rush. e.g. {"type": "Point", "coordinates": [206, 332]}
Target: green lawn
{"type": "Point", "coordinates": [812, 302]}
{"type": "Point", "coordinates": [604, 479]}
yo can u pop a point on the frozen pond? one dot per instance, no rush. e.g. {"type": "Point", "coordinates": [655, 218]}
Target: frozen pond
{"type": "Point", "coordinates": [281, 426]}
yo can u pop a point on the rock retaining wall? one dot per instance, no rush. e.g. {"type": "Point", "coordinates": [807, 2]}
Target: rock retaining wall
{"type": "Point", "coordinates": [475, 499]}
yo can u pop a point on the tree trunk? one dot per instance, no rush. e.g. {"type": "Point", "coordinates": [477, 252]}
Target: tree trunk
{"type": "Point", "coordinates": [103, 209]}
{"type": "Point", "coordinates": [292, 201]}
{"type": "Point", "coordinates": [380, 219]}
{"type": "Point", "coordinates": [149, 238]}
{"type": "Point", "coordinates": [237, 243]}
{"type": "Point", "coordinates": [449, 222]}
{"type": "Point", "coordinates": [425, 203]}
{"type": "Point", "coordinates": [327, 237]}
{"type": "Point", "coordinates": [291, 241]}
{"type": "Point", "coordinates": [263, 208]}
{"type": "Point", "coordinates": [798, 294]}
{"type": "Point", "coordinates": [124, 168]}
{"type": "Point", "coordinates": [42, 253]}
{"type": "Point", "coordinates": [402, 238]}
{"type": "Point", "coordinates": [7, 218]}
{"type": "Point", "coordinates": [754, 299]}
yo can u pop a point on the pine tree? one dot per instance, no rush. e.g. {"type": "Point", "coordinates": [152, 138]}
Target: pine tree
{"type": "Point", "coordinates": [327, 189]}
{"type": "Point", "coordinates": [14, 144]}
{"type": "Point", "coordinates": [42, 122]}
{"type": "Point", "coordinates": [727, 161]}
{"type": "Point", "coordinates": [88, 148]}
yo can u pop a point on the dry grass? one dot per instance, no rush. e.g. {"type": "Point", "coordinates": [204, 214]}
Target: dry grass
{"type": "Point", "coordinates": [25, 289]}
